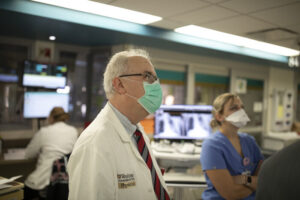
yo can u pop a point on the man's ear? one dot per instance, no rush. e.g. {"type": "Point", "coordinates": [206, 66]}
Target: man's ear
{"type": "Point", "coordinates": [118, 86]}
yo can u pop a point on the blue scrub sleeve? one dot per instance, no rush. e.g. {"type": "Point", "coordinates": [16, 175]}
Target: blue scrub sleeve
{"type": "Point", "coordinates": [212, 157]}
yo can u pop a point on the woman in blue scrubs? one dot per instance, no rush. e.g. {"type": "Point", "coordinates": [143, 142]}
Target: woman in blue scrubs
{"type": "Point", "coordinates": [229, 159]}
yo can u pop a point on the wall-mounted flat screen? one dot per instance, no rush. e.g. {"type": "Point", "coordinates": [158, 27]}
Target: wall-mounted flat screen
{"type": "Point", "coordinates": [39, 104]}
{"type": "Point", "coordinates": [44, 75]}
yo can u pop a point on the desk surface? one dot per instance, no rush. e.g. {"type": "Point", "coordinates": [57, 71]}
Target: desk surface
{"type": "Point", "coordinates": [176, 156]}
{"type": "Point", "coordinates": [20, 161]}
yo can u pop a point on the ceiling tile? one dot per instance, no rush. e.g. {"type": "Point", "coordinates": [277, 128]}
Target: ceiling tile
{"type": "Point", "coordinates": [295, 27]}
{"type": "Point", "coordinates": [103, 1]}
{"type": "Point", "coordinates": [163, 8]}
{"type": "Point", "coordinates": [292, 43]}
{"type": "Point", "coordinates": [215, 1]}
{"type": "Point", "coordinates": [273, 35]}
{"type": "Point", "coordinates": [203, 15]}
{"type": "Point", "coordinates": [167, 24]}
{"type": "Point", "coordinates": [247, 6]}
{"type": "Point", "coordinates": [282, 16]}
{"type": "Point", "coordinates": [238, 25]}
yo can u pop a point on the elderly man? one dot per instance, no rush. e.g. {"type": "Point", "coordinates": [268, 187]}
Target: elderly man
{"type": "Point", "coordinates": [112, 158]}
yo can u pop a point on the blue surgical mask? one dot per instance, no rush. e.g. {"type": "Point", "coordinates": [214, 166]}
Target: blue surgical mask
{"type": "Point", "coordinates": [152, 98]}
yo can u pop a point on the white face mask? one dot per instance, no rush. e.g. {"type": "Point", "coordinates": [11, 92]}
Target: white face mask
{"type": "Point", "coordinates": [238, 118]}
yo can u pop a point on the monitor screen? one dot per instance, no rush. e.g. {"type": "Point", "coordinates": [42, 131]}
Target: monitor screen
{"type": "Point", "coordinates": [39, 104]}
{"type": "Point", "coordinates": [188, 122]}
{"type": "Point", "coordinates": [44, 75]}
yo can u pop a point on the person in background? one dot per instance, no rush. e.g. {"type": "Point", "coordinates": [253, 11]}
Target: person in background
{"type": "Point", "coordinates": [112, 158]}
{"type": "Point", "coordinates": [296, 127]}
{"type": "Point", "coordinates": [48, 144]}
{"type": "Point", "coordinates": [229, 159]}
{"type": "Point", "coordinates": [279, 175]}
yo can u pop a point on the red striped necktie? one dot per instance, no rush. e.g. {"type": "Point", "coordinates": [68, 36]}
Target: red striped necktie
{"type": "Point", "coordinates": [160, 191]}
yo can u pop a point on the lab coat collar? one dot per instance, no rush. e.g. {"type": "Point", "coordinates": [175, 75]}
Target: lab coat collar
{"type": "Point", "coordinates": [118, 125]}
{"type": "Point", "coordinates": [124, 136]}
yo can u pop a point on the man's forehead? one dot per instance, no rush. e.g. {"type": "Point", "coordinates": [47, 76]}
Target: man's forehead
{"type": "Point", "coordinates": [137, 59]}
{"type": "Point", "coordinates": [139, 63]}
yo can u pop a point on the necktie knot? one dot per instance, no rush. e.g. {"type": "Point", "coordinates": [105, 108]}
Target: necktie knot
{"type": "Point", "coordinates": [137, 135]}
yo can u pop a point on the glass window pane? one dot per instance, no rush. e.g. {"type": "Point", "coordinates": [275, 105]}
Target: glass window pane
{"type": "Point", "coordinates": [173, 86]}
{"type": "Point", "coordinates": [11, 95]}
{"type": "Point", "coordinates": [298, 105]}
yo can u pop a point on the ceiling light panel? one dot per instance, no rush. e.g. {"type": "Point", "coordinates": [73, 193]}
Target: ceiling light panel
{"type": "Point", "coordinates": [104, 10]}
{"type": "Point", "coordinates": [210, 34]}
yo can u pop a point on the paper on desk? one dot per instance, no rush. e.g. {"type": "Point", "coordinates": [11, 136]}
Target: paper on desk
{"type": "Point", "coordinates": [4, 186]}
{"type": "Point", "coordinates": [5, 180]}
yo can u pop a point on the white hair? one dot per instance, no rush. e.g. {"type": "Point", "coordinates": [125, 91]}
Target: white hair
{"type": "Point", "coordinates": [117, 65]}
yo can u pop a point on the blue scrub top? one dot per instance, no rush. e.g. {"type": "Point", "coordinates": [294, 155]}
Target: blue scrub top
{"type": "Point", "coordinates": [218, 153]}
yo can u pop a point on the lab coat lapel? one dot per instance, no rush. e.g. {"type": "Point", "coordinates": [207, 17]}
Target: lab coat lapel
{"type": "Point", "coordinates": [124, 136]}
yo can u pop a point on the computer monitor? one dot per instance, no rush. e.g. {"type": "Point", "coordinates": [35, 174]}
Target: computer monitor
{"type": "Point", "coordinates": [39, 104]}
{"type": "Point", "coordinates": [183, 122]}
{"type": "Point", "coordinates": [44, 75]}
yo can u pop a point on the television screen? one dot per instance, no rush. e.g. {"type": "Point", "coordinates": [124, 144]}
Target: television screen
{"type": "Point", "coordinates": [44, 75]}
{"type": "Point", "coordinates": [188, 122]}
{"type": "Point", "coordinates": [39, 104]}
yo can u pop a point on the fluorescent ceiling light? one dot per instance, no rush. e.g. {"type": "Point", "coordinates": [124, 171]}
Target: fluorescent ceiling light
{"type": "Point", "coordinates": [210, 34]}
{"type": "Point", "coordinates": [104, 10]}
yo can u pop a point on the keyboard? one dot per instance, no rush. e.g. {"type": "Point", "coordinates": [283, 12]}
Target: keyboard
{"type": "Point", "coordinates": [163, 147]}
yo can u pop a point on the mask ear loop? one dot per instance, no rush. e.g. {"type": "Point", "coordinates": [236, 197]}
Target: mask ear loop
{"type": "Point", "coordinates": [131, 96]}
{"type": "Point", "coordinates": [135, 98]}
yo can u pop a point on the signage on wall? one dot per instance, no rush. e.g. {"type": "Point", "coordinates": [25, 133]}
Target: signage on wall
{"type": "Point", "coordinates": [241, 86]}
{"type": "Point", "coordinates": [294, 61]}
{"type": "Point", "coordinates": [44, 51]}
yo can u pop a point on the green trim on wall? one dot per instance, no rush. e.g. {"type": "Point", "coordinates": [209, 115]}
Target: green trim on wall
{"type": "Point", "coordinates": [170, 82]}
{"type": "Point", "coordinates": [205, 78]}
{"type": "Point", "coordinates": [255, 83]}
{"type": "Point", "coordinates": [171, 75]}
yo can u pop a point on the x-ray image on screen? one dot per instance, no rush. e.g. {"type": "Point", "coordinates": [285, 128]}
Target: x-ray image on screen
{"type": "Point", "coordinates": [169, 126]}
{"type": "Point", "coordinates": [197, 125]}
{"type": "Point", "coordinates": [183, 122]}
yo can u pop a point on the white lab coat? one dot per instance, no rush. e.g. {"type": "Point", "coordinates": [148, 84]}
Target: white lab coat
{"type": "Point", "coordinates": [102, 154]}
{"type": "Point", "coordinates": [49, 143]}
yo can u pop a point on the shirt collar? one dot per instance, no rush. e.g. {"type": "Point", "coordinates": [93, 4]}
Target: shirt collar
{"type": "Point", "coordinates": [129, 127]}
